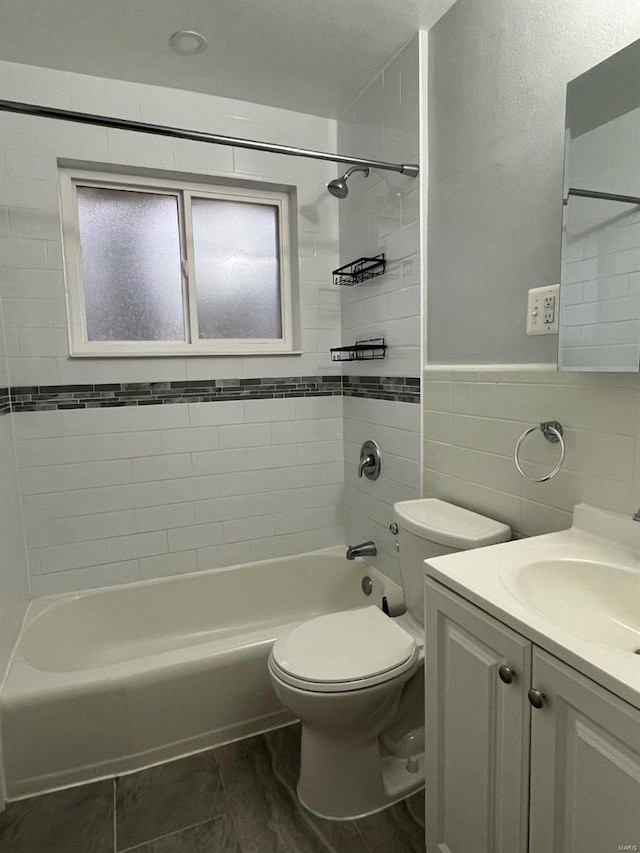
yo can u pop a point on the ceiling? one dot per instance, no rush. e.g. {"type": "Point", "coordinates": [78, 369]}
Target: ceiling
{"type": "Point", "coordinates": [313, 56]}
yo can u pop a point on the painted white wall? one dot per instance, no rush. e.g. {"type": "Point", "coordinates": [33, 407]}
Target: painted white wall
{"type": "Point", "coordinates": [382, 214]}
{"type": "Point", "coordinates": [497, 79]}
{"type": "Point", "coordinates": [113, 495]}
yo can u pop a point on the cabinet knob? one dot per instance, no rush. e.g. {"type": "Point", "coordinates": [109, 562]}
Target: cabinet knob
{"type": "Point", "coordinates": [506, 674]}
{"type": "Point", "coordinates": [393, 527]}
{"type": "Point", "coordinates": [536, 697]}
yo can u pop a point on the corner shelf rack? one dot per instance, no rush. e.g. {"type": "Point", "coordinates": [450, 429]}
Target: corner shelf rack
{"type": "Point", "coordinates": [360, 270]}
{"type": "Point", "coordinates": [360, 351]}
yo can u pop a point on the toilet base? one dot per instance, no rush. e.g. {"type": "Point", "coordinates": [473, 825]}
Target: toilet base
{"type": "Point", "coordinates": [342, 780]}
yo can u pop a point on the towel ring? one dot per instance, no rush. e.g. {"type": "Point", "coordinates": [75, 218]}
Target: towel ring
{"type": "Point", "coordinates": [552, 431]}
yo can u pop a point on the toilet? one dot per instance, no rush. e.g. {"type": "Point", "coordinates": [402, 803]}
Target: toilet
{"type": "Point", "coordinates": [355, 678]}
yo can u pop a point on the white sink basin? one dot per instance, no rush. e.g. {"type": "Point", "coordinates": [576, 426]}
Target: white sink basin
{"type": "Point", "coordinates": [597, 601]}
{"type": "Point", "coordinates": [575, 593]}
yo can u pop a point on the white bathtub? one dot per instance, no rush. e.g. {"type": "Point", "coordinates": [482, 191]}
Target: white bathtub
{"type": "Point", "coordinates": [113, 680]}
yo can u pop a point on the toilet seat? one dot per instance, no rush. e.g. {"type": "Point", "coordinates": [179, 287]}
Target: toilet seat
{"type": "Point", "coordinates": [338, 652]}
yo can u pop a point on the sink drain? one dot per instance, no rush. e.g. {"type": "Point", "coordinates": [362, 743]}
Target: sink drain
{"type": "Point", "coordinates": [636, 651]}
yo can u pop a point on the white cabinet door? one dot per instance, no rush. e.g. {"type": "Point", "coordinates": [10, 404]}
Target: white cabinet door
{"type": "Point", "coordinates": [585, 765]}
{"type": "Point", "coordinates": [477, 729]}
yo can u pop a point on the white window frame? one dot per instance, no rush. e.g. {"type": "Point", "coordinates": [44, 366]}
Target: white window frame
{"type": "Point", "coordinates": [79, 344]}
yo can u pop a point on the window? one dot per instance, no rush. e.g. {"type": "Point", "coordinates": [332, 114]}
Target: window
{"type": "Point", "coordinates": [163, 268]}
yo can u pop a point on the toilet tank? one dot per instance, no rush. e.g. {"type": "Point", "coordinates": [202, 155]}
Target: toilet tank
{"type": "Point", "coordinates": [431, 528]}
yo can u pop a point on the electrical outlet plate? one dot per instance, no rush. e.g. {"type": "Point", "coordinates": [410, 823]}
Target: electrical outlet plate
{"type": "Point", "coordinates": [543, 307]}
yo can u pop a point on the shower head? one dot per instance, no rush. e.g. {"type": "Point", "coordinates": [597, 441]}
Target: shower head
{"type": "Point", "coordinates": [338, 186]}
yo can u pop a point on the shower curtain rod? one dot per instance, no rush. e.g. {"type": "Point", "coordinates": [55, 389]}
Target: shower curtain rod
{"type": "Point", "coordinates": [410, 169]}
{"type": "Point", "coordinates": [626, 199]}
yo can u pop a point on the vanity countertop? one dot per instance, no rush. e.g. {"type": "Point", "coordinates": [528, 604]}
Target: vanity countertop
{"type": "Point", "coordinates": [575, 593]}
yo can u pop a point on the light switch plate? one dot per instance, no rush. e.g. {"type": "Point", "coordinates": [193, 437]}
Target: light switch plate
{"type": "Point", "coordinates": [543, 306]}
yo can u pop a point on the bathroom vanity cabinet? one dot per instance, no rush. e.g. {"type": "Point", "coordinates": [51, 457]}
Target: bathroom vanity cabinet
{"type": "Point", "coordinates": [505, 776]}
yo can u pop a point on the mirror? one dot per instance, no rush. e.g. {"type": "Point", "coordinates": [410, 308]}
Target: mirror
{"type": "Point", "coordinates": [600, 278]}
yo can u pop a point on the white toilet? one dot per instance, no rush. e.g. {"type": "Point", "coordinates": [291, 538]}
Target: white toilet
{"type": "Point", "coordinates": [355, 678]}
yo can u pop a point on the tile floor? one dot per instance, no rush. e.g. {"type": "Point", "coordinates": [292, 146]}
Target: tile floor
{"type": "Point", "coordinates": [239, 798]}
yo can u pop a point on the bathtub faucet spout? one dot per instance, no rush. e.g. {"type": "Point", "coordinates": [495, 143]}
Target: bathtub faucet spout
{"type": "Point", "coordinates": [366, 549]}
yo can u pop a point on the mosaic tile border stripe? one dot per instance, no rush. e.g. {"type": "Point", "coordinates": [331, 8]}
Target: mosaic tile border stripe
{"type": "Point", "coordinates": [402, 389]}
{"type": "Point", "coordinates": [42, 398]}
{"type": "Point", "coordinates": [5, 401]}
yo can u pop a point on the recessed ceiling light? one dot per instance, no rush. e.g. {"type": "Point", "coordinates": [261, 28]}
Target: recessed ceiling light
{"type": "Point", "coordinates": [187, 42]}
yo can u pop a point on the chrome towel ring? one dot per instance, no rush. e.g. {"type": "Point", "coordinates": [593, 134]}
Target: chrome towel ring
{"type": "Point", "coordinates": [552, 431]}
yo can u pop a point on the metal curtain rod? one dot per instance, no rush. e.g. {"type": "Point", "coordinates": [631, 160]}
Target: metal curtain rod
{"type": "Point", "coordinates": [627, 199]}
{"type": "Point", "coordinates": [410, 169]}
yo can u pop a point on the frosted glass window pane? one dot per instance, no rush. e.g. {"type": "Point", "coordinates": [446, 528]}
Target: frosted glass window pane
{"type": "Point", "coordinates": [131, 265]}
{"type": "Point", "coordinates": [237, 269]}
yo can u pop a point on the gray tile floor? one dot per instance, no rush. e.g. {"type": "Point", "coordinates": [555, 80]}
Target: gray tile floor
{"type": "Point", "coordinates": [238, 798]}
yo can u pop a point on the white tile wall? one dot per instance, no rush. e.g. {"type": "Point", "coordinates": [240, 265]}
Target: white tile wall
{"type": "Point", "coordinates": [473, 418]}
{"type": "Point", "coordinates": [600, 291]}
{"type": "Point", "coordinates": [117, 505]}
{"type": "Point", "coordinates": [30, 242]}
{"type": "Point", "coordinates": [114, 495]}
{"type": "Point", "coordinates": [369, 503]}
{"type": "Point", "coordinates": [381, 214]}
{"type": "Point", "coordinates": [14, 579]}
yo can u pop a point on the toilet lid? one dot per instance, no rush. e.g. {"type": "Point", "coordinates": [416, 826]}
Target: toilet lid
{"type": "Point", "coordinates": [343, 647]}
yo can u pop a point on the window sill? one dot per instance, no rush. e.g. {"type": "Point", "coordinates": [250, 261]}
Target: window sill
{"type": "Point", "coordinates": [183, 354]}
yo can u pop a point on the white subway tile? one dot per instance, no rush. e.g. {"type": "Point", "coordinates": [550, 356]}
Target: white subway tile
{"type": "Point", "coordinates": [214, 414]}
{"type": "Point", "coordinates": [166, 467]}
{"type": "Point", "coordinates": [320, 451]}
{"type": "Point", "coordinates": [21, 192]}
{"type": "Point", "coordinates": [193, 489]}
{"type": "Point", "coordinates": [164, 517]}
{"type": "Point", "coordinates": [219, 461]}
{"type": "Point", "coordinates": [82, 475]}
{"type": "Point", "coordinates": [63, 531]}
{"type": "Point", "coordinates": [91, 577]}
{"type": "Point", "coordinates": [277, 546]}
{"type": "Point", "coordinates": [95, 500]}
{"type": "Point", "coordinates": [222, 509]}
{"type": "Point", "coordinates": [22, 253]}
{"type": "Point", "coordinates": [136, 545]}
{"type": "Point", "coordinates": [297, 431]}
{"type": "Point", "coordinates": [168, 564]}
{"type": "Point", "coordinates": [197, 536]}
{"type": "Point", "coordinates": [245, 435]}
{"type": "Point", "coordinates": [77, 555]}
{"type": "Point", "coordinates": [219, 556]}
{"type": "Point", "coordinates": [292, 499]}
{"type": "Point", "coordinates": [253, 482]}
{"type": "Point", "coordinates": [158, 417]}
{"type": "Point", "coordinates": [87, 448]}
{"type": "Point", "coordinates": [191, 439]}
{"type": "Point", "coordinates": [261, 458]}
{"type": "Point", "coordinates": [298, 520]}
{"type": "Point", "coordinates": [250, 528]}
{"type": "Point", "coordinates": [261, 411]}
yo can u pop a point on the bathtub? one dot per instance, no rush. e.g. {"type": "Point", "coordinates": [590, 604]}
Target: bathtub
{"type": "Point", "coordinates": [113, 680]}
